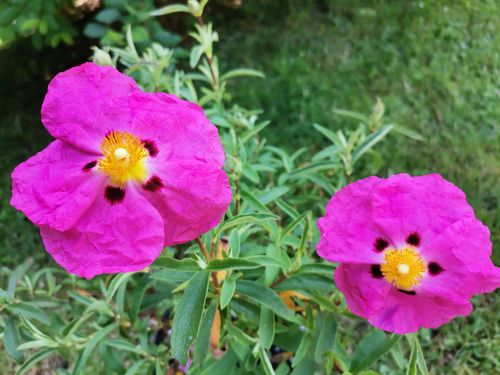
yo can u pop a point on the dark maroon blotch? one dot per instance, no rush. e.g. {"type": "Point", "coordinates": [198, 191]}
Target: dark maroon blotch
{"type": "Point", "coordinates": [114, 194]}
{"type": "Point", "coordinates": [413, 239]}
{"type": "Point", "coordinates": [153, 184]}
{"type": "Point", "coordinates": [87, 167]}
{"type": "Point", "coordinates": [434, 268]}
{"type": "Point", "coordinates": [151, 147]}
{"type": "Point", "coordinates": [376, 271]}
{"type": "Point", "coordinates": [381, 244]}
{"type": "Point", "coordinates": [409, 292]}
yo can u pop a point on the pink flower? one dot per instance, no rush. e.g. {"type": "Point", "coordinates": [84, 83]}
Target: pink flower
{"type": "Point", "coordinates": [412, 252]}
{"type": "Point", "coordinates": [129, 173]}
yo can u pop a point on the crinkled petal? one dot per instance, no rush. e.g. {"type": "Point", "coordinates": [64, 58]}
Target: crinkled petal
{"type": "Point", "coordinates": [425, 205]}
{"type": "Point", "coordinates": [193, 198]}
{"type": "Point", "coordinates": [347, 231]}
{"type": "Point", "coordinates": [391, 310]}
{"type": "Point", "coordinates": [123, 237]}
{"type": "Point", "coordinates": [86, 102]}
{"type": "Point", "coordinates": [365, 295]}
{"type": "Point", "coordinates": [463, 252]}
{"type": "Point", "coordinates": [179, 129]}
{"type": "Point", "coordinates": [52, 188]}
{"type": "Point", "coordinates": [404, 313]}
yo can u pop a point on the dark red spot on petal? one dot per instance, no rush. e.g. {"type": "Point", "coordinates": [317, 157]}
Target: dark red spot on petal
{"type": "Point", "coordinates": [151, 147]}
{"type": "Point", "coordinates": [434, 268]}
{"type": "Point", "coordinates": [376, 271]}
{"type": "Point", "coordinates": [87, 167]}
{"type": "Point", "coordinates": [413, 239]}
{"type": "Point", "coordinates": [409, 292]}
{"type": "Point", "coordinates": [114, 194]}
{"type": "Point", "coordinates": [381, 244]}
{"type": "Point", "coordinates": [153, 184]}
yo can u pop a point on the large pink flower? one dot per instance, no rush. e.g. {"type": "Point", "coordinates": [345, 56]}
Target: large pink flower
{"type": "Point", "coordinates": [412, 252]}
{"type": "Point", "coordinates": [129, 173]}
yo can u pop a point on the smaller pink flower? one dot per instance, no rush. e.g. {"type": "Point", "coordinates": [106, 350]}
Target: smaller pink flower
{"type": "Point", "coordinates": [412, 252]}
{"type": "Point", "coordinates": [129, 173]}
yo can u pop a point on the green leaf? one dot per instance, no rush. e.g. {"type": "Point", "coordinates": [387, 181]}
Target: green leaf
{"type": "Point", "coordinates": [265, 362]}
{"type": "Point", "coordinates": [186, 264]}
{"type": "Point", "coordinates": [11, 340]}
{"type": "Point", "coordinates": [354, 115]}
{"type": "Point", "coordinates": [293, 224]}
{"type": "Point", "coordinates": [326, 340]}
{"type": "Point", "coordinates": [371, 141]}
{"type": "Point", "coordinates": [288, 209]}
{"type": "Point", "coordinates": [370, 349]}
{"type": "Point", "coordinates": [315, 167]}
{"type": "Point", "coordinates": [253, 201]}
{"type": "Point", "coordinates": [272, 194]}
{"type": "Point", "coordinates": [94, 30]}
{"type": "Point", "coordinates": [267, 297]}
{"type": "Point", "coordinates": [203, 339]}
{"type": "Point", "coordinates": [170, 9]}
{"type": "Point", "coordinates": [33, 360]}
{"type": "Point", "coordinates": [417, 359]}
{"type": "Point", "coordinates": [16, 276]}
{"type": "Point", "coordinates": [126, 345]}
{"type": "Point", "coordinates": [232, 263]}
{"type": "Point", "coordinates": [108, 15]}
{"type": "Point", "coordinates": [243, 72]}
{"type": "Point", "coordinates": [266, 327]}
{"type": "Point", "coordinates": [89, 347]}
{"type": "Point", "coordinates": [328, 134]}
{"type": "Point", "coordinates": [29, 311]}
{"type": "Point", "coordinates": [409, 133]}
{"type": "Point", "coordinates": [227, 291]}
{"type": "Point", "coordinates": [135, 367]}
{"type": "Point", "coordinates": [244, 219]}
{"type": "Point", "coordinates": [267, 261]}
{"type": "Point", "coordinates": [188, 315]}
{"type": "Point", "coordinates": [307, 282]}
{"type": "Point", "coordinates": [412, 364]}
{"type": "Point", "coordinates": [115, 284]}
{"type": "Point", "coordinates": [303, 349]}
{"type": "Point", "coordinates": [234, 244]}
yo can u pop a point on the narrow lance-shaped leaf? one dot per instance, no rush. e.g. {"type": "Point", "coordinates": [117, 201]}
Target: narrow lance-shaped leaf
{"type": "Point", "coordinates": [267, 297]}
{"type": "Point", "coordinates": [371, 348]}
{"type": "Point", "coordinates": [188, 315]}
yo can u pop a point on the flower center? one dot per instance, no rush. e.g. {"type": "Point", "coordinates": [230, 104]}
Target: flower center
{"type": "Point", "coordinates": [403, 268]}
{"type": "Point", "coordinates": [123, 158]}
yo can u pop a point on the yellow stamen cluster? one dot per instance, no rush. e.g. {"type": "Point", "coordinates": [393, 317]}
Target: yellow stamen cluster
{"type": "Point", "coordinates": [123, 158]}
{"type": "Point", "coordinates": [404, 268]}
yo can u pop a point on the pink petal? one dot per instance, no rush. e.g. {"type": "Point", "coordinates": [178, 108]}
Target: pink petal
{"type": "Point", "coordinates": [123, 237]}
{"type": "Point", "coordinates": [193, 199]}
{"type": "Point", "coordinates": [85, 102]}
{"type": "Point", "coordinates": [391, 310]}
{"type": "Point", "coordinates": [347, 230]}
{"type": "Point", "coordinates": [463, 251]}
{"type": "Point", "coordinates": [364, 294]}
{"type": "Point", "coordinates": [426, 205]}
{"type": "Point", "coordinates": [180, 129]}
{"type": "Point", "coordinates": [195, 190]}
{"type": "Point", "coordinates": [52, 188]}
{"type": "Point", "coordinates": [405, 314]}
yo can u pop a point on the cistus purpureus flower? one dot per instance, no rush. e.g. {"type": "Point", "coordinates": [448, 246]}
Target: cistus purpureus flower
{"type": "Point", "coordinates": [129, 173]}
{"type": "Point", "coordinates": [411, 251]}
